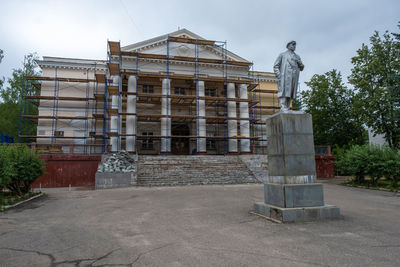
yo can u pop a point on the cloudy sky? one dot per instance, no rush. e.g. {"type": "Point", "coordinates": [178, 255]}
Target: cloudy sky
{"type": "Point", "coordinates": [328, 33]}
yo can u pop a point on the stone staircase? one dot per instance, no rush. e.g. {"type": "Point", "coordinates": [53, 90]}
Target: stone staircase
{"type": "Point", "coordinates": [193, 170]}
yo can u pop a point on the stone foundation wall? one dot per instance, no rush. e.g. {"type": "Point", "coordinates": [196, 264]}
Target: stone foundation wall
{"type": "Point", "coordinates": [185, 170]}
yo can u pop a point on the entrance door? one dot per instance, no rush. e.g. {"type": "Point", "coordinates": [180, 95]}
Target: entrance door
{"type": "Point", "coordinates": [180, 146]}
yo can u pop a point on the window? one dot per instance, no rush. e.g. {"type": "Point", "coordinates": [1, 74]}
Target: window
{"type": "Point", "coordinates": [147, 88]}
{"type": "Point", "coordinates": [210, 92]}
{"type": "Point", "coordinates": [147, 144]}
{"type": "Point", "coordinates": [58, 133]}
{"type": "Point", "coordinates": [179, 91]}
{"type": "Point", "coordinates": [223, 92]}
{"type": "Point", "coordinates": [210, 143]}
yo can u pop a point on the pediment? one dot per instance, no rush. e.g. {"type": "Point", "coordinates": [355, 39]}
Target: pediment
{"type": "Point", "coordinates": [158, 45]}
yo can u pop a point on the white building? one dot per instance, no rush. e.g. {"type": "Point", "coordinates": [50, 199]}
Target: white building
{"type": "Point", "coordinates": [177, 93]}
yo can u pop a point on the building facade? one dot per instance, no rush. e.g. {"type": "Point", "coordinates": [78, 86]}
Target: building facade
{"type": "Point", "coordinates": [174, 94]}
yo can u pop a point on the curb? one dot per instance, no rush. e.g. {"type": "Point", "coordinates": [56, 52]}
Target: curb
{"type": "Point", "coordinates": [26, 200]}
{"type": "Point", "coordinates": [371, 188]}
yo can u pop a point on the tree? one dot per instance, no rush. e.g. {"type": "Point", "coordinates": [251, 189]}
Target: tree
{"type": "Point", "coordinates": [13, 101]}
{"type": "Point", "coordinates": [1, 79]}
{"type": "Point", "coordinates": [331, 105]}
{"type": "Point", "coordinates": [376, 77]}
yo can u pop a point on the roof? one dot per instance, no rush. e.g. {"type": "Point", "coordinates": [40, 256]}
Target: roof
{"type": "Point", "coordinates": [136, 47]}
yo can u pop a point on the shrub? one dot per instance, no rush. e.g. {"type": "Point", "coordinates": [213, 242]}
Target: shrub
{"type": "Point", "coordinates": [392, 166]}
{"type": "Point", "coordinates": [373, 161]}
{"type": "Point", "coordinates": [19, 168]}
{"type": "Point", "coordinates": [354, 162]}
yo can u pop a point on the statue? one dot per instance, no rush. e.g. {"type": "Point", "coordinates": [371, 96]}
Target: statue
{"type": "Point", "coordinates": [287, 68]}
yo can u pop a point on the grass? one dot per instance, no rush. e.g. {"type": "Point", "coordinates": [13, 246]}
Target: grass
{"type": "Point", "coordinates": [382, 184]}
{"type": "Point", "coordinates": [8, 198]}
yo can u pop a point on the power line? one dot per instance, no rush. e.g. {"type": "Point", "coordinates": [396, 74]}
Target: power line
{"type": "Point", "coordinates": [129, 16]}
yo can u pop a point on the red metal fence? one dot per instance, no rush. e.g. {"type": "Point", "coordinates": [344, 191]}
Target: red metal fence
{"type": "Point", "coordinates": [66, 170]}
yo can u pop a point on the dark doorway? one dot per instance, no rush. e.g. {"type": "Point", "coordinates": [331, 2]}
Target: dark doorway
{"type": "Point", "coordinates": [180, 145]}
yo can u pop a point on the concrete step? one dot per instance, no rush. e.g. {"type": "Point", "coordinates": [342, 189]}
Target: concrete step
{"type": "Point", "coordinates": [184, 170]}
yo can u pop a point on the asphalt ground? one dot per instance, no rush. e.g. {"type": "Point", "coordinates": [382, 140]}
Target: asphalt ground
{"type": "Point", "coordinates": [196, 226]}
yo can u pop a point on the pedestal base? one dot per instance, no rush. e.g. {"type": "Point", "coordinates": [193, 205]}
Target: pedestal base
{"type": "Point", "coordinates": [297, 214]}
{"type": "Point", "coordinates": [294, 195]}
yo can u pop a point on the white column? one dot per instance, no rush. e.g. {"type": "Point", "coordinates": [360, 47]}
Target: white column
{"type": "Point", "coordinates": [166, 122]}
{"type": "Point", "coordinates": [232, 124]}
{"type": "Point", "coordinates": [244, 124]}
{"type": "Point", "coordinates": [114, 118]}
{"type": "Point", "coordinates": [201, 122]}
{"type": "Point", "coordinates": [131, 119]}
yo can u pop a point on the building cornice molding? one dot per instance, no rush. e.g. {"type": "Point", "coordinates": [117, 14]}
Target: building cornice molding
{"type": "Point", "coordinates": [187, 63]}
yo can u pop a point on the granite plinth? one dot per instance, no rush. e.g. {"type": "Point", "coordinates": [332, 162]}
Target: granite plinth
{"type": "Point", "coordinates": [294, 195]}
{"type": "Point", "coordinates": [297, 214]}
{"type": "Point", "coordinates": [291, 157]}
{"type": "Point", "coordinates": [290, 192]}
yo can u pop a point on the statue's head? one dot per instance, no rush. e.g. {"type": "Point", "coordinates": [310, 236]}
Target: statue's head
{"type": "Point", "coordinates": [291, 45]}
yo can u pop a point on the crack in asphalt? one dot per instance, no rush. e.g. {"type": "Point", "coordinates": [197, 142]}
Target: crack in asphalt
{"type": "Point", "coordinates": [50, 256]}
{"type": "Point", "coordinates": [76, 262]}
{"type": "Point", "coordinates": [149, 251]}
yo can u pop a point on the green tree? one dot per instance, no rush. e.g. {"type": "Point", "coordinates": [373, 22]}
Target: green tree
{"type": "Point", "coordinates": [13, 101]}
{"type": "Point", "coordinates": [375, 75]}
{"type": "Point", "coordinates": [1, 79]}
{"type": "Point", "coordinates": [331, 105]}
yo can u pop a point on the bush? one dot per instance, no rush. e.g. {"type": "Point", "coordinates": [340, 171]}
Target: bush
{"type": "Point", "coordinates": [19, 168]}
{"type": "Point", "coordinates": [370, 160]}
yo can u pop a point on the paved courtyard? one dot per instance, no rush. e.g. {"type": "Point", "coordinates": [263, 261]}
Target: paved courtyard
{"type": "Point", "coordinates": [196, 226]}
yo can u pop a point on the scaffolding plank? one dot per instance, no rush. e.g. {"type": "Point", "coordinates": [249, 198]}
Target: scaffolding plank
{"type": "Point", "coordinates": [266, 107]}
{"type": "Point", "coordinates": [66, 98]}
{"type": "Point", "coordinates": [38, 86]}
{"type": "Point", "coordinates": [112, 112]}
{"type": "Point", "coordinates": [265, 91]}
{"type": "Point", "coordinates": [188, 59]}
{"type": "Point", "coordinates": [114, 47]}
{"type": "Point", "coordinates": [191, 41]}
{"type": "Point", "coordinates": [112, 133]}
{"type": "Point", "coordinates": [99, 97]}
{"type": "Point", "coordinates": [60, 79]}
{"type": "Point", "coordinates": [52, 136]}
{"type": "Point", "coordinates": [243, 80]}
{"type": "Point", "coordinates": [113, 68]}
{"type": "Point", "coordinates": [98, 116]}
{"type": "Point", "coordinates": [193, 137]}
{"type": "Point", "coordinates": [56, 117]}
{"type": "Point", "coordinates": [101, 78]}
{"type": "Point", "coordinates": [112, 90]}
{"type": "Point", "coordinates": [252, 86]}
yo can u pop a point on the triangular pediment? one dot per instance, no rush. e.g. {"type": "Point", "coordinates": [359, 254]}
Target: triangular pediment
{"type": "Point", "coordinates": [158, 45]}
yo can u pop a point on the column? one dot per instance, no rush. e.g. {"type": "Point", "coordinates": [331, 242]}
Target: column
{"type": "Point", "coordinates": [201, 121]}
{"type": "Point", "coordinates": [166, 122]}
{"type": "Point", "coordinates": [232, 123]}
{"type": "Point", "coordinates": [130, 118]}
{"type": "Point", "coordinates": [244, 124]}
{"type": "Point", "coordinates": [114, 118]}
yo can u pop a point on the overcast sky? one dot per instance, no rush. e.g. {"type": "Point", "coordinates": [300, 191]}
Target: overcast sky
{"type": "Point", "coordinates": [328, 33]}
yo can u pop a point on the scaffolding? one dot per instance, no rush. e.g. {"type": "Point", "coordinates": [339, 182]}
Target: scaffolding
{"type": "Point", "coordinates": [106, 93]}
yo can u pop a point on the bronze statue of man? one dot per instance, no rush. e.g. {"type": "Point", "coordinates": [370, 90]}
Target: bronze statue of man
{"type": "Point", "coordinates": [287, 68]}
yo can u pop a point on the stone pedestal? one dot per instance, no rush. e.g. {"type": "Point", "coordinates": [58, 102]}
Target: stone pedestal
{"type": "Point", "coordinates": [104, 180]}
{"type": "Point", "coordinates": [291, 193]}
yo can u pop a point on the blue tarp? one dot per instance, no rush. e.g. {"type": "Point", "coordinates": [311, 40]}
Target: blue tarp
{"type": "Point", "coordinates": [5, 138]}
